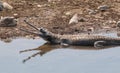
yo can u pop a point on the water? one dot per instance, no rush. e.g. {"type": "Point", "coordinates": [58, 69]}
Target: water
{"type": "Point", "coordinates": [15, 58]}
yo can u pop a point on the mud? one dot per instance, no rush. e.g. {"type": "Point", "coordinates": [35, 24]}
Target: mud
{"type": "Point", "coordinates": [55, 16]}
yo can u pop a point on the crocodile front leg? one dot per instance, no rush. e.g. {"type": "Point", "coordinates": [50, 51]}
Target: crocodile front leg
{"type": "Point", "coordinates": [100, 44]}
{"type": "Point", "coordinates": [65, 42]}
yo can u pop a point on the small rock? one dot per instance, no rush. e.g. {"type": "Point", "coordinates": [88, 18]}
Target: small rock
{"type": "Point", "coordinates": [103, 8]}
{"type": "Point", "coordinates": [55, 27]}
{"type": "Point", "coordinates": [37, 37]}
{"type": "Point", "coordinates": [68, 13]}
{"type": "Point", "coordinates": [74, 19]}
{"type": "Point", "coordinates": [106, 27]}
{"type": "Point", "coordinates": [8, 22]}
{"type": "Point", "coordinates": [54, 0]}
{"type": "Point", "coordinates": [7, 6]}
{"type": "Point", "coordinates": [16, 15]}
{"type": "Point", "coordinates": [118, 34]}
{"type": "Point", "coordinates": [90, 29]}
{"type": "Point", "coordinates": [91, 11]}
{"type": "Point", "coordinates": [7, 40]}
{"type": "Point", "coordinates": [49, 0]}
{"type": "Point", "coordinates": [27, 36]}
{"type": "Point", "coordinates": [1, 6]}
{"type": "Point", "coordinates": [118, 24]}
{"type": "Point", "coordinates": [81, 19]}
{"type": "Point", "coordinates": [39, 6]}
{"type": "Point", "coordinates": [63, 16]}
{"type": "Point", "coordinates": [76, 30]}
{"type": "Point", "coordinates": [112, 21]}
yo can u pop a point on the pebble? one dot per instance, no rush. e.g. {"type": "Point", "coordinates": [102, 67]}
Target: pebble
{"type": "Point", "coordinates": [28, 36]}
{"type": "Point", "coordinates": [1, 6]}
{"type": "Point", "coordinates": [118, 34]}
{"type": "Point", "coordinates": [37, 37]}
{"type": "Point", "coordinates": [16, 15]}
{"type": "Point", "coordinates": [74, 19]}
{"type": "Point", "coordinates": [90, 29]}
{"type": "Point", "coordinates": [7, 40]}
{"type": "Point", "coordinates": [8, 22]}
{"type": "Point", "coordinates": [54, 1]}
{"type": "Point", "coordinates": [39, 6]}
{"type": "Point", "coordinates": [103, 7]}
{"type": "Point", "coordinates": [118, 24]}
{"type": "Point", "coordinates": [68, 13]}
{"type": "Point", "coordinates": [112, 21]}
{"type": "Point", "coordinates": [106, 27]}
{"type": "Point", "coordinates": [81, 19]}
{"type": "Point", "coordinates": [90, 11]}
{"type": "Point", "coordinates": [7, 6]}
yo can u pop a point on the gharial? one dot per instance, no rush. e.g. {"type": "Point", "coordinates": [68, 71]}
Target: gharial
{"type": "Point", "coordinates": [77, 40]}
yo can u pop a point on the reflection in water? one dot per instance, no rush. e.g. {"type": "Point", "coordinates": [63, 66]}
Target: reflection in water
{"type": "Point", "coordinates": [56, 58]}
{"type": "Point", "coordinates": [43, 49]}
{"type": "Point", "coordinates": [7, 40]}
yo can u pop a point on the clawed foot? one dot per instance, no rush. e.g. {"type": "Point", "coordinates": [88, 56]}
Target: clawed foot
{"type": "Point", "coordinates": [99, 44]}
{"type": "Point", "coordinates": [65, 42]}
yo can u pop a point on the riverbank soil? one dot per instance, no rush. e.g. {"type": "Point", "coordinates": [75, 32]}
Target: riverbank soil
{"type": "Point", "coordinates": [56, 14]}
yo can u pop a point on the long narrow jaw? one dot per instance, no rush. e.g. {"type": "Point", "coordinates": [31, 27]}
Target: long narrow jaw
{"type": "Point", "coordinates": [40, 31]}
{"type": "Point", "coordinates": [31, 25]}
{"type": "Point", "coordinates": [29, 31]}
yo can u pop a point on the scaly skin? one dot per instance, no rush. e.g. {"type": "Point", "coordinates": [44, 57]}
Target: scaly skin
{"type": "Point", "coordinates": [83, 39]}
{"type": "Point", "coordinates": [78, 40]}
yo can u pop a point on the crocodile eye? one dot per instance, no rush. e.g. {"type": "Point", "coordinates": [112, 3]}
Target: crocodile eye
{"type": "Point", "coordinates": [42, 31]}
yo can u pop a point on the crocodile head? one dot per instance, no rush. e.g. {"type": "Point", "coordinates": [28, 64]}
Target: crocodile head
{"type": "Point", "coordinates": [48, 36]}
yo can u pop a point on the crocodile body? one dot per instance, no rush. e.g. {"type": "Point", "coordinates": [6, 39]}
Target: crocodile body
{"type": "Point", "coordinates": [81, 39]}
{"type": "Point", "coordinates": [78, 40]}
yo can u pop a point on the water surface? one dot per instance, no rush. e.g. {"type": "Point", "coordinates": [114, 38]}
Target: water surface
{"type": "Point", "coordinates": [56, 59]}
